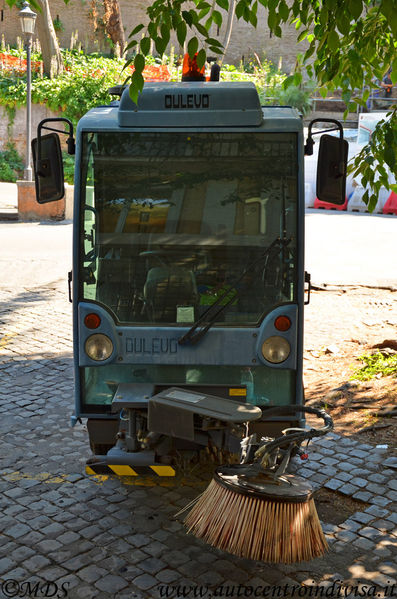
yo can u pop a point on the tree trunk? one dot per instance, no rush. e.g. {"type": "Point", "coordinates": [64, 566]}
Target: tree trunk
{"type": "Point", "coordinates": [52, 59]}
{"type": "Point", "coordinates": [114, 23]}
{"type": "Point", "coordinates": [229, 27]}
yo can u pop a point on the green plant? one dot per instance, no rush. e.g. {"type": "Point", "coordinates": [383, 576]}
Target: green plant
{"type": "Point", "coordinates": [82, 85]}
{"type": "Point", "coordinates": [68, 168]}
{"type": "Point", "coordinates": [377, 363]}
{"type": "Point", "coordinates": [86, 79]}
{"type": "Point", "coordinates": [297, 96]}
{"type": "Point", "coordinates": [58, 25]}
{"type": "Point", "coordinates": [11, 164]}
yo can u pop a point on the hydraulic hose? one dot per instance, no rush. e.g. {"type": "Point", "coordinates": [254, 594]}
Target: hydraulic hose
{"type": "Point", "coordinates": [299, 436]}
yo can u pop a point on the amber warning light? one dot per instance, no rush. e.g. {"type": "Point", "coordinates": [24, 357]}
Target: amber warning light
{"type": "Point", "coordinates": [192, 72]}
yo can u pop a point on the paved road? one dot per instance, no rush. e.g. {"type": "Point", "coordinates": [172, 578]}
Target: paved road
{"type": "Point", "coordinates": [351, 248]}
{"type": "Point", "coordinates": [340, 249]}
{"type": "Point", "coordinates": [109, 538]}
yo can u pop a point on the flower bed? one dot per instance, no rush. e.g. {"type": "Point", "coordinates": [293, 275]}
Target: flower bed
{"type": "Point", "coordinates": [16, 64]}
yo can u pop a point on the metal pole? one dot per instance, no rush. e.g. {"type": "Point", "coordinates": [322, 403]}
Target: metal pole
{"type": "Point", "coordinates": [28, 168]}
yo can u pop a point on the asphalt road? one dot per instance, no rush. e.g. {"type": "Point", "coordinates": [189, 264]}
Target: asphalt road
{"type": "Point", "coordinates": [341, 248]}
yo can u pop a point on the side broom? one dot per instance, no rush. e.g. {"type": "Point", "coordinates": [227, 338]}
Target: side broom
{"type": "Point", "coordinates": [258, 511]}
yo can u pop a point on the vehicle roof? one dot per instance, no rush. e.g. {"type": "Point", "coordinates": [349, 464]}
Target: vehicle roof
{"type": "Point", "coordinates": [194, 105]}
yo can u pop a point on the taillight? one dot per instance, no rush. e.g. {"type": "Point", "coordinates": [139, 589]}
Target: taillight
{"type": "Point", "coordinates": [282, 323]}
{"type": "Point", "coordinates": [92, 321]}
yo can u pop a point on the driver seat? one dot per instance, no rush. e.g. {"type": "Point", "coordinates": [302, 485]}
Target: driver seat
{"type": "Point", "coordinates": [166, 288]}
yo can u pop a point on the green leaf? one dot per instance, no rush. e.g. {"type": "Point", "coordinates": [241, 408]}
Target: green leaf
{"type": "Point", "coordinates": [139, 63]}
{"type": "Point", "coordinates": [273, 20]}
{"type": "Point", "coordinates": [160, 45]}
{"type": "Point", "coordinates": [136, 30]}
{"type": "Point", "coordinates": [343, 23]}
{"type": "Point", "coordinates": [165, 33]}
{"type": "Point", "coordinates": [333, 40]}
{"type": "Point", "coordinates": [356, 7]}
{"type": "Point", "coordinates": [131, 44]}
{"type": "Point", "coordinates": [253, 19]}
{"type": "Point", "coordinates": [152, 30]}
{"type": "Point", "coordinates": [302, 35]}
{"type": "Point", "coordinates": [192, 46]}
{"type": "Point", "coordinates": [200, 59]}
{"type": "Point", "coordinates": [346, 95]}
{"type": "Point", "coordinates": [240, 9]}
{"type": "Point", "coordinates": [203, 5]}
{"type": "Point", "coordinates": [309, 52]}
{"type": "Point", "coordinates": [297, 79]}
{"type": "Point", "coordinates": [136, 86]}
{"type": "Point", "coordinates": [145, 46]}
{"type": "Point", "coordinates": [288, 81]}
{"type": "Point", "coordinates": [181, 32]}
{"type": "Point", "coordinates": [387, 7]}
{"type": "Point", "coordinates": [203, 13]}
{"type": "Point", "coordinates": [217, 17]}
{"type": "Point", "coordinates": [187, 17]}
{"type": "Point", "coordinates": [390, 156]}
{"type": "Point", "coordinates": [284, 11]}
{"type": "Point", "coordinates": [372, 202]}
{"type": "Point", "coordinates": [214, 42]}
{"type": "Point", "coordinates": [223, 4]}
{"type": "Point", "coordinates": [201, 29]}
{"type": "Point", "coordinates": [216, 50]}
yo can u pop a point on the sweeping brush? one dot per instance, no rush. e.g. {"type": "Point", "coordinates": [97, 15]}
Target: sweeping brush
{"type": "Point", "coordinates": [261, 513]}
{"type": "Point", "coordinates": [274, 521]}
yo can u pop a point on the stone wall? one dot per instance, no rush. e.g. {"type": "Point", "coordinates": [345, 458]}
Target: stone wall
{"type": "Point", "coordinates": [244, 42]}
{"type": "Point", "coordinates": [17, 130]}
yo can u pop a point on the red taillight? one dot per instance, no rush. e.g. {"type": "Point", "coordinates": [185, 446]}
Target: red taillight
{"type": "Point", "coordinates": [92, 321]}
{"type": "Point", "coordinates": [282, 323]}
{"type": "Point", "coordinates": [191, 71]}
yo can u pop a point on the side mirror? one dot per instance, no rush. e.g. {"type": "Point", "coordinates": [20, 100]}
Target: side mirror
{"type": "Point", "coordinates": [48, 170]}
{"type": "Point", "coordinates": [331, 169]}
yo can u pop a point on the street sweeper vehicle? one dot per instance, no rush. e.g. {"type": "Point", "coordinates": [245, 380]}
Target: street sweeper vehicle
{"type": "Point", "coordinates": [188, 293]}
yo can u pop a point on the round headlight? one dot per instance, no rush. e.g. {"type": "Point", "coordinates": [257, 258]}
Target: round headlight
{"type": "Point", "coordinates": [98, 347]}
{"type": "Point", "coordinates": [276, 349]}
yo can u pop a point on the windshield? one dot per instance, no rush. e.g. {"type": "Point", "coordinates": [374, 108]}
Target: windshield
{"type": "Point", "coordinates": [174, 222]}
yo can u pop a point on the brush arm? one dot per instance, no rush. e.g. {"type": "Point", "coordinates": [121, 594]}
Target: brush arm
{"type": "Point", "coordinates": [298, 437]}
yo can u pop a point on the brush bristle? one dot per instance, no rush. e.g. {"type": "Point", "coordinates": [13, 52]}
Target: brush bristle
{"type": "Point", "coordinates": [258, 529]}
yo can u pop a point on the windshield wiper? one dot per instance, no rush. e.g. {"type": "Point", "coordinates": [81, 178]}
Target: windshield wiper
{"type": "Point", "coordinates": [206, 320]}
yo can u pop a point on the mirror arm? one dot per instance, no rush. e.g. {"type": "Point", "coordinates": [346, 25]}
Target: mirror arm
{"type": "Point", "coordinates": [70, 140]}
{"type": "Point", "coordinates": [310, 141]}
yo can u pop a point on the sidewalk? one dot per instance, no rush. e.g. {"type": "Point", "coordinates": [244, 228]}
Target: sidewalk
{"type": "Point", "coordinates": [8, 201]}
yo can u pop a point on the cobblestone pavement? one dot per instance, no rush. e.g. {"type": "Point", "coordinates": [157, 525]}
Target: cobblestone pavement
{"type": "Point", "coordinates": [106, 538]}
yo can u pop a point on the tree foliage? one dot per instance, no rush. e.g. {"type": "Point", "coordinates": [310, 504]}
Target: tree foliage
{"type": "Point", "coordinates": [349, 45]}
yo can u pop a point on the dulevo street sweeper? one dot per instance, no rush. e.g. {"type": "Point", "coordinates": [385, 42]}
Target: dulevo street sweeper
{"type": "Point", "coordinates": [188, 291]}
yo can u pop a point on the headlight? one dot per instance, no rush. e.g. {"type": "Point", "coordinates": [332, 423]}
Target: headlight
{"type": "Point", "coordinates": [98, 347]}
{"type": "Point", "coordinates": [276, 349]}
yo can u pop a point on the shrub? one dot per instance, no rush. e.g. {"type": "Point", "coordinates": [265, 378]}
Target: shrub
{"type": "Point", "coordinates": [11, 164]}
{"type": "Point", "coordinates": [298, 97]}
{"type": "Point", "coordinates": [68, 168]}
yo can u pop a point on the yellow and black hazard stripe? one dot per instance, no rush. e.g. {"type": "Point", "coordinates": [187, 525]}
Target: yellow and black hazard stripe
{"type": "Point", "coordinates": [124, 470]}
